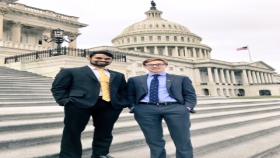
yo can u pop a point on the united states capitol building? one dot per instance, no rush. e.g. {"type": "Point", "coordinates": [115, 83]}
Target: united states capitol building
{"type": "Point", "coordinates": [22, 28]}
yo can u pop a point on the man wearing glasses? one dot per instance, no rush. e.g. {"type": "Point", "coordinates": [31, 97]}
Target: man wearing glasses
{"type": "Point", "coordinates": [161, 96]}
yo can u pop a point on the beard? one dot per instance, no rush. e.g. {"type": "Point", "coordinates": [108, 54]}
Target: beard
{"type": "Point", "coordinates": [99, 64]}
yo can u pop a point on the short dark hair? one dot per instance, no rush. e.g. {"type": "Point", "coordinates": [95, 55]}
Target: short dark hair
{"type": "Point", "coordinates": [92, 53]}
{"type": "Point", "coordinates": [154, 59]}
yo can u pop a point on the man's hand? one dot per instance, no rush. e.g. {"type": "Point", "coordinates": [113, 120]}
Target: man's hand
{"type": "Point", "coordinates": [131, 109]}
{"type": "Point", "coordinates": [191, 110]}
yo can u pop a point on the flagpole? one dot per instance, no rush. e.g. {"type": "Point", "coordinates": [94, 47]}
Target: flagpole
{"type": "Point", "coordinates": [249, 52]}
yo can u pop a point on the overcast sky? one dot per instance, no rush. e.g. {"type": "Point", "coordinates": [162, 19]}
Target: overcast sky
{"type": "Point", "coordinates": [224, 25]}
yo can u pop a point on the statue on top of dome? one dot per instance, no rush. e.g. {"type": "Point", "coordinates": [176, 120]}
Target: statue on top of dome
{"type": "Point", "coordinates": [153, 5]}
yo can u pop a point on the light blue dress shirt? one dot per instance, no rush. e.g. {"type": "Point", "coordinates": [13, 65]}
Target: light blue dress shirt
{"type": "Point", "coordinates": [162, 89]}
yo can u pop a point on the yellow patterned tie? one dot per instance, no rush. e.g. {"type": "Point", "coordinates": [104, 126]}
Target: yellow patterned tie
{"type": "Point", "coordinates": [104, 82]}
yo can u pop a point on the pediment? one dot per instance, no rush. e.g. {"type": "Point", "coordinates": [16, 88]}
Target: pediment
{"type": "Point", "coordinates": [261, 64]}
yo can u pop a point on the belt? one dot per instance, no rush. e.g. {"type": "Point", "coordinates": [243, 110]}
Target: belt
{"type": "Point", "coordinates": [162, 103]}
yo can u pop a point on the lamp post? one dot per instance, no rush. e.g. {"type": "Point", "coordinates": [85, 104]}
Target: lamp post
{"type": "Point", "coordinates": [57, 36]}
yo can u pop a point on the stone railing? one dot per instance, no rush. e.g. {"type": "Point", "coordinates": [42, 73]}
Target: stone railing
{"type": "Point", "coordinates": [30, 57]}
{"type": "Point", "coordinates": [48, 13]}
{"type": "Point", "coordinates": [10, 44]}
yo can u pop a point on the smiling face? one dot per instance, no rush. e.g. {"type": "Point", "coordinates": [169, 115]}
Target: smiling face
{"type": "Point", "coordinates": [156, 66]}
{"type": "Point", "coordinates": [100, 60]}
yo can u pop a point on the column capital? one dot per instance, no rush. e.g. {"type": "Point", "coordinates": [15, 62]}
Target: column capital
{"type": "Point", "coordinates": [3, 11]}
{"type": "Point", "coordinates": [3, 8]}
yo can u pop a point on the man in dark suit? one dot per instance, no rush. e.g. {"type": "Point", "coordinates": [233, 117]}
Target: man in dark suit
{"type": "Point", "coordinates": [89, 91]}
{"type": "Point", "coordinates": [161, 96]}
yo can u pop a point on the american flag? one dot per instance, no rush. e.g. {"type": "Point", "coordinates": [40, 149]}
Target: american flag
{"type": "Point", "coordinates": [242, 48]}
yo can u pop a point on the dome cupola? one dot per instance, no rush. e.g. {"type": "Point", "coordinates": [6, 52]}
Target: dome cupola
{"type": "Point", "coordinates": [156, 35]}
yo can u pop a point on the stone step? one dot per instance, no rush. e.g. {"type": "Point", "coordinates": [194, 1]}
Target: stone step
{"type": "Point", "coordinates": [19, 89]}
{"type": "Point", "coordinates": [27, 104]}
{"type": "Point", "coordinates": [20, 100]}
{"type": "Point", "coordinates": [41, 123]}
{"type": "Point", "coordinates": [244, 145]}
{"type": "Point", "coordinates": [30, 92]}
{"type": "Point", "coordinates": [273, 152]}
{"type": "Point", "coordinates": [23, 81]}
{"type": "Point", "coordinates": [235, 101]}
{"type": "Point", "coordinates": [25, 86]}
{"type": "Point", "coordinates": [205, 103]}
{"type": "Point", "coordinates": [19, 76]}
{"type": "Point", "coordinates": [24, 116]}
{"type": "Point", "coordinates": [214, 142]}
{"type": "Point", "coordinates": [15, 138]}
{"type": "Point", "coordinates": [10, 115]}
{"type": "Point", "coordinates": [32, 109]}
{"type": "Point", "coordinates": [204, 127]}
{"type": "Point", "coordinates": [236, 107]}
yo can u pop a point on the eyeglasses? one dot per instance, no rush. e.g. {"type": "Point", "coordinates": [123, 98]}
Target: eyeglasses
{"type": "Point", "coordinates": [152, 65]}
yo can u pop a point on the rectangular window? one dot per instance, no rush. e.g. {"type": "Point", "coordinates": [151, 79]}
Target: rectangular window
{"type": "Point", "coordinates": [167, 38]}
{"type": "Point", "coordinates": [159, 38]}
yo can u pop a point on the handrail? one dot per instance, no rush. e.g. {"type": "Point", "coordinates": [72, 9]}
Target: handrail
{"type": "Point", "coordinates": [34, 56]}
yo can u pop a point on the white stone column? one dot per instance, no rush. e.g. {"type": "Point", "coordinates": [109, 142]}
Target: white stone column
{"type": "Point", "coordinates": [244, 77]}
{"type": "Point", "coordinates": [250, 77]}
{"type": "Point", "coordinates": [255, 77]}
{"type": "Point", "coordinates": [217, 79]}
{"type": "Point", "coordinates": [222, 75]}
{"type": "Point", "coordinates": [16, 32]}
{"type": "Point", "coordinates": [186, 52]}
{"type": "Point", "coordinates": [200, 55]}
{"type": "Point", "coordinates": [228, 77]}
{"type": "Point", "coordinates": [269, 78]}
{"type": "Point", "coordinates": [175, 52]}
{"type": "Point", "coordinates": [145, 49]}
{"type": "Point", "coordinates": [258, 77]}
{"type": "Point", "coordinates": [262, 77]}
{"type": "Point", "coordinates": [156, 50]}
{"type": "Point", "coordinates": [165, 51]}
{"type": "Point", "coordinates": [272, 78]}
{"type": "Point", "coordinates": [208, 54]}
{"type": "Point", "coordinates": [210, 76]}
{"type": "Point", "coordinates": [197, 76]}
{"type": "Point", "coordinates": [233, 77]}
{"type": "Point", "coordinates": [194, 53]}
{"type": "Point", "coordinates": [266, 78]}
{"type": "Point", "coordinates": [1, 25]}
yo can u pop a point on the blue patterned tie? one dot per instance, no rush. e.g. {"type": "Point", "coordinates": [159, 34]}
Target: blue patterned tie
{"type": "Point", "coordinates": [154, 89]}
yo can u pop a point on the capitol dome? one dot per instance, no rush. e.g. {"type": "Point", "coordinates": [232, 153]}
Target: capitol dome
{"type": "Point", "coordinates": [156, 35]}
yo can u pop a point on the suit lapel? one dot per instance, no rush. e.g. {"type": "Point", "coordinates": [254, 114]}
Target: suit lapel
{"type": "Point", "coordinates": [143, 82]}
{"type": "Point", "coordinates": [169, 79]}
{"type": "Point", "coordinates": [89, 72]}
{"type": "Point", "coordinates": [112, 75]}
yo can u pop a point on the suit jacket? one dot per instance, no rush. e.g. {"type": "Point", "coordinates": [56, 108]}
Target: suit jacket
{"type": "Point", "coordinates": [81, 87]}
{"type": "Point", "coordinates": [179, 87]}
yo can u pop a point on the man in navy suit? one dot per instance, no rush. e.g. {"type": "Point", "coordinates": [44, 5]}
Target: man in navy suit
{"type": "Point", "coordinates": [161, 96]}
{"type": "Point", "coordinates": [80, 91]}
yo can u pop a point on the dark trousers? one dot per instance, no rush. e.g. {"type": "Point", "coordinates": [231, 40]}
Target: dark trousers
{"type": "Point", "coordinates": [75, 120]}
{"type": "Point", "coordinates": [176, 116]}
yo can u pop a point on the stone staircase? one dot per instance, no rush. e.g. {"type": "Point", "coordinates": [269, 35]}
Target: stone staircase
{"type": "Point", "coordinates": [31, 125]}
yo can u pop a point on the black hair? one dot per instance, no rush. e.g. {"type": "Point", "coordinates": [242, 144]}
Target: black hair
{"type": "Point", "coordinates": [107, 53]}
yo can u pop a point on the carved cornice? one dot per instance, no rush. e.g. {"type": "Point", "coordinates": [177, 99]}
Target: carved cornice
{"type": "Point", "coordinates": [3, 11]}
{"type": "Point", "coordinates": [3, 8]}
